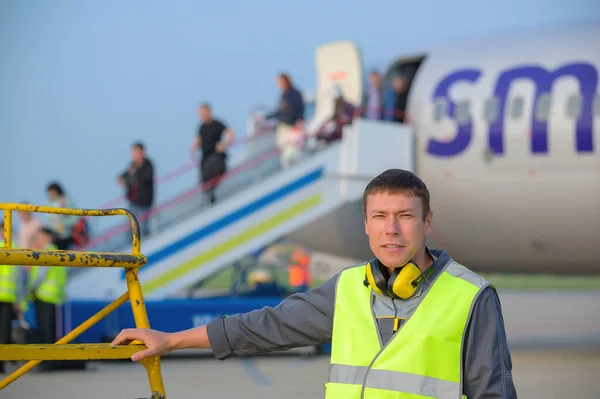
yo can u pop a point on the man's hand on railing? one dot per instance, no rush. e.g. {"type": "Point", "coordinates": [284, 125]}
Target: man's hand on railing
{"type": "Point", "coordinates": [157, 343]}
{"type": "Point", "coordinates": [160, 343]}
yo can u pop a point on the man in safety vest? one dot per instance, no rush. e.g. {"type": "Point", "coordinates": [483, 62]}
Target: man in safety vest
{"type": "Point", "coordinates": [11, 296]}
{"type": "Point", "coordinates": [409, 323]}
{"type": "Point", "coordinates": [47, 291]}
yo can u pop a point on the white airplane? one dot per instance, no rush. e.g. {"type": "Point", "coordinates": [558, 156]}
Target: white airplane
{"type": "Point", "coordinates": [506, 134]}
{"type": "Point", "coordinates": [508, 130]}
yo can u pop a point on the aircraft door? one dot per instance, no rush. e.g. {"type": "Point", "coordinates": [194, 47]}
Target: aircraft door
{"type": "Point", "coordinates": [337, 63]}
{"type": "Point", "coordinates": [407, 69]}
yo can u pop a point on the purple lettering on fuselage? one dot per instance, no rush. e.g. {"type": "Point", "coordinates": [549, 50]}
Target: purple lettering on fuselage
{"type": "Point", "coordinates": [585, 74]}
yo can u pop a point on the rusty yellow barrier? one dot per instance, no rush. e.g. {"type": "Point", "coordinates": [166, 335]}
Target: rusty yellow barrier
{"type": "Point", "coordinates": [55, 258]}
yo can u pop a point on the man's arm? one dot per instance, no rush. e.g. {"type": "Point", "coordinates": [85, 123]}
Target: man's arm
{"type": "Point", "coordinates": [299, 320]}
{"type": "Point", "coordinates": [124, 177]}
{"type": "Point", "coordinates": [487, 365]}
{"type": "Point", "coordinates": [196, 143]}
{"type": "Point", "coordinates": [227, 141]}
{"type": "Point", "coordinates": [276, 112]}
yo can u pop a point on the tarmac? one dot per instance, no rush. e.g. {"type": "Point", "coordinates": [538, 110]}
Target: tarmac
{"type": "Point", "coordinates": [554, 340]}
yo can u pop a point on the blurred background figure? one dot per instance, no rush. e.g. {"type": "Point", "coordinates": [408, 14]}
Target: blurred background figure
{"type": "Point", "coordinates": [138, 181]}
{"type": "Point", "coordinates": [343, 114]}
{"type": "Point", "coordinates": [395, 100]}
{"type": "Point", "coordinates": [10, 297]}
{"type": "Point", "coordinates": [30, 224]}
{"type": "Point", "coordinates": [290, 118]}
{"type": "Point", "coordinates": [213, 139]}
{"type": "Point", "coordinates": [299, 270]}
{"type": "Point", "coordinates": [61, 224]}
{"type": "Point", "coordinates": [47, 291]}
{"type": "Point", "coordinates": [373, 98]}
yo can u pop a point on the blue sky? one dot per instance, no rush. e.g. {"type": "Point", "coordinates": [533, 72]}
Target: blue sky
{"type": "Point", "coordinates": [81, 80]}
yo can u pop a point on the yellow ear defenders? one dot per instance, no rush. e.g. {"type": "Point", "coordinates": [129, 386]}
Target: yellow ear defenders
{"type": "Point", "coordinates": [401, 284]}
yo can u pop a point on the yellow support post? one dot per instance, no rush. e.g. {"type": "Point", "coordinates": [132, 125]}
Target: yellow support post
{"type": "Point", "coordinates": [62, 350]}
{"type": "Point", "coordinates": [152, 364]}
{"type": "Point", "coordinates": [8, 229]}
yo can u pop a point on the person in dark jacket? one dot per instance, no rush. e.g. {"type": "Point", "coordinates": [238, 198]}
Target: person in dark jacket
{"type": "Point", "coordinates": [291, 104]}
{"type": "Point", "coordinates": [290, 118]}
{"type": "Point", "coordinates": [138, 181]}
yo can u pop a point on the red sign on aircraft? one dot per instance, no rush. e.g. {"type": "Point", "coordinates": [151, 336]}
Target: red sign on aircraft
{"type": "Point", "coordinates": [337, 75]}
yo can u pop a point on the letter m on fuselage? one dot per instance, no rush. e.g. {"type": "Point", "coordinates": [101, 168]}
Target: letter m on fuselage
{"type": "Point", "coordinates": [584, 73]}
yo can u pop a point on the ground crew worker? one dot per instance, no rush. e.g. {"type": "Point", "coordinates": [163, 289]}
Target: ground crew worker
{"type": "Point", "coordinates": [299, 270]}
{"type": "Point", "coordinates": [410, 322]}
{"type": "Point", "coordinates": [11, 296]}
{"type": "Point", "coordinates": [47, 289]}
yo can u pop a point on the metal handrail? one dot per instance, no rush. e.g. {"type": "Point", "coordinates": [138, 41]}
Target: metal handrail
{"type": "Point", "coordinates": [61, 350]}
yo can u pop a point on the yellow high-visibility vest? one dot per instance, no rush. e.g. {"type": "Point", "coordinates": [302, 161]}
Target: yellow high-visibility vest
{"type": "Point", "coordinates": [9, 277]}
{"type": "Point", "coordinates": [424, 357]}
{"type": "Point", "coordinates": [52, 289]}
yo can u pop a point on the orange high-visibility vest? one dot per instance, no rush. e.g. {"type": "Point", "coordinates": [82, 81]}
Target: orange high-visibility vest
{"type": "Point", "coordinates": [299, 268]}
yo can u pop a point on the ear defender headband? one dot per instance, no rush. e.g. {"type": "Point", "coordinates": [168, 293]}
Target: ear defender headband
{"type": "Point", "coordinates": [402, 283]}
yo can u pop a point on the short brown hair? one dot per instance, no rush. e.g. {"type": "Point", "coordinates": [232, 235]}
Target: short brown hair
{"type": "Point", "coordinates": [139, 145]}
{"type": "Point", "coordinates": [398, 181]}
{"type": "Point", "coordinates": [286, 80]}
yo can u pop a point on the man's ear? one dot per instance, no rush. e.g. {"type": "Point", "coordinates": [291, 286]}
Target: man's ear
{"type": "Point", "coordinates": [428, 222]}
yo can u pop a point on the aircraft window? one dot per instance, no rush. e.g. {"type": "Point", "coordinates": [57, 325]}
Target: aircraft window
{"type": "Point", "coordinates": [574, 106]}
{"type": "Point", "coordinates": [597, 105]}
{"type": "Point", "coordinates": [542, 108]}
{"type": "Point", "coordinates": [439, 110]}
{"type": "Point", "coordinates": [490, 112]}
{"type": "Point", "coordinates": [462, 112]}
{"type": "Point", "coordinates": [517, 108]}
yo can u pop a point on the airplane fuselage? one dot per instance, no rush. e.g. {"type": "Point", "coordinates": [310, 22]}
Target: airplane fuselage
{"type": "Point", "coordinates": [507, 141]}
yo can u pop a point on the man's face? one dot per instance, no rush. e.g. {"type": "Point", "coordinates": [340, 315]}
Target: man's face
{"type": "Point", "coordinates": [281, 83]}
{"type": "Point", "coordinates": [24, 216]}
{"type": "Point", "coordinates": [374, 80]}
{"type": "Point", "coordinates": [137, 155]}
{"type": "Point", "coordinates": [395, 226]}
{"type": "Point", "coordinates": [398, 85]}
{"type": "Point", "coordinates": [52, 195]}
{"type": "Point", "coordinates": [41, 240]}
{"type": "Point", "coordinates": [204, 114]}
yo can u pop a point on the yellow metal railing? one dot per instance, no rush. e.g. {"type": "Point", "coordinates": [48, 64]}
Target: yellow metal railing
{"type": "Point", "coordinates": [60, 350]}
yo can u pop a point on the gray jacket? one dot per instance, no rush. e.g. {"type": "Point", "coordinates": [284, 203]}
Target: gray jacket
{"type": "Point", "coordinates": [307, 319]}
